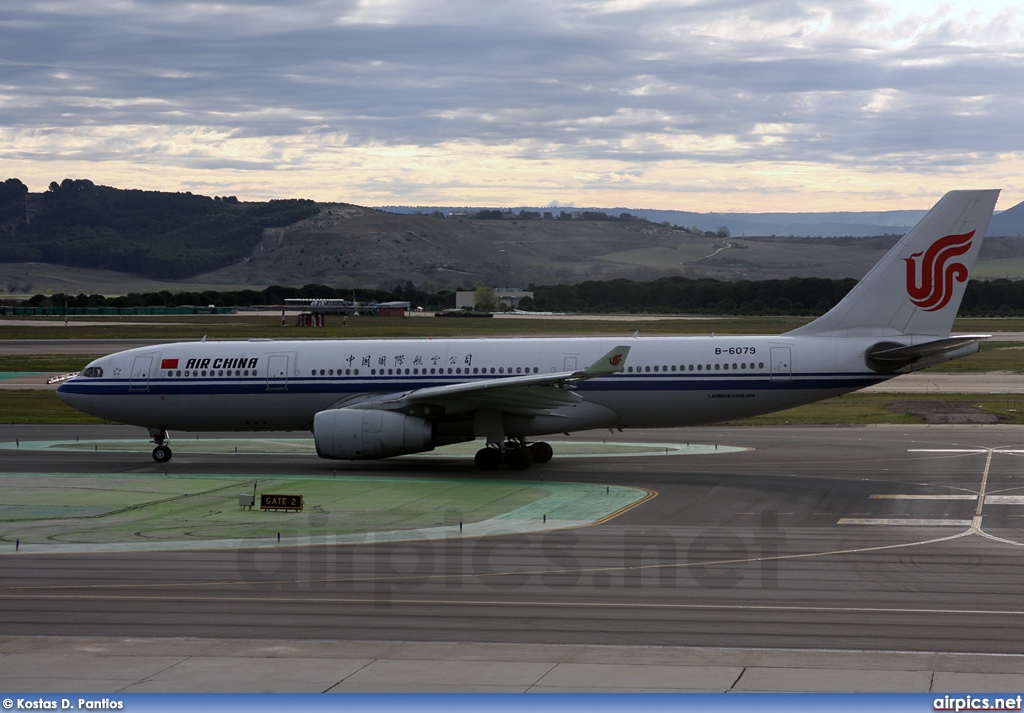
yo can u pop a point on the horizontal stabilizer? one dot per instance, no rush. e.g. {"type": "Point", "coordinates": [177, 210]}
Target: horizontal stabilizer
{"type": "Point", "coordinates": [888, 356]}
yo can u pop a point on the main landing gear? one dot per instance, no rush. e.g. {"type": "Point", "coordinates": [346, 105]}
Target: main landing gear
{"type": "Point", "coordinates": [515, 453]}
{"type": "Point", "coordinates": [162, 452]}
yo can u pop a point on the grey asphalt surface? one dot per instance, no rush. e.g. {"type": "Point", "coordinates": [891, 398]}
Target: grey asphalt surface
{"type": "Point", "coordinates": [748, 550]}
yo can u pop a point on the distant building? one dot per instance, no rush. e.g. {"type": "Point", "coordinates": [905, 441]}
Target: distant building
{"type": "Point", "coordinates": [507, 296]}
{"type": "Point", "coordinates": [347, 307]}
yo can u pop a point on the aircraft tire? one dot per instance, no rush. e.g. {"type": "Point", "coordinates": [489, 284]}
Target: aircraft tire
{"type": "Point", "coordinates": [161, 454]}
{"type": "Point", "coordinates": [487, 458]}
{"type": "Point", "coordinates": [541, 452]}
{"type": "Point", "coordinates": [518, 458]}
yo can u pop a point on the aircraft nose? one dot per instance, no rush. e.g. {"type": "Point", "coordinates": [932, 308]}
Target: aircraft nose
{"type": "Point", "coordinates": [65, 394]}
{"type": "Point", "coordinates": [74, 398]}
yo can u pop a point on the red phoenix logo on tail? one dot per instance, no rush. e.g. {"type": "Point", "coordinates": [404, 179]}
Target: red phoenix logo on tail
{"type": "Point", "coordinates": [615, 360]}
{"type": "Point", "coordinates": [934, 288]}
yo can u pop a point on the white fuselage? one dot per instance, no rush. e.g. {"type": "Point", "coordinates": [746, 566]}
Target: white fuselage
{"type": "Point", "coordinates": [281, 385]}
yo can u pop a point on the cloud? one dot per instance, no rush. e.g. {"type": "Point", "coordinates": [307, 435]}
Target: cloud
{"type": "Point", "coordinates": [244, 92]}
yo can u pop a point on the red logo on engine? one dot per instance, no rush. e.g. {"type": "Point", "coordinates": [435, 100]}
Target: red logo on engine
{"type": "Point", "coordinates": [615, 360]}
{"type": "Point", "coordinates": [932, 289]}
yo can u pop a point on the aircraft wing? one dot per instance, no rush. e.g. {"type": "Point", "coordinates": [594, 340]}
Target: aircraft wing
{"type": "Point", "coordinates": [525, 394]}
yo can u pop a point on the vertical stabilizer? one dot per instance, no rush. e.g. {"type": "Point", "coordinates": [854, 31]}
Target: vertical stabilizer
{"type": "Point", "coordinates": [917, 287]}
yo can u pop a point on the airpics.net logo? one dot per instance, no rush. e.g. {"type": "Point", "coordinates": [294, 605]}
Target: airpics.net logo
{"type": "Point", "coordinates": [977, 703]}
{"type": "Point", "coordinates": [930, 283]}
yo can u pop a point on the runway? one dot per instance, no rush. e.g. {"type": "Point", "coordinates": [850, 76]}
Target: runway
{"type": "Point", "coordinates": [830, 538]}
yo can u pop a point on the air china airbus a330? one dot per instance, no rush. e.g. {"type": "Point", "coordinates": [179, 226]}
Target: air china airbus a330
{"type": "Point", "coordinates": [367, 399]}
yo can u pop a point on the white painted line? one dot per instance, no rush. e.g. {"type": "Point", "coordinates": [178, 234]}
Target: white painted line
{"type": "Point", "coordinates": [922, 497]}
{"type": "Point", "coordinates": [946, 450]}
{"type": "Point", "coordinates": [904, 522]}
{"type": "Point", "coordinates": [1004, 499]}
{"type": "Point", "coordinates": [976, 521]}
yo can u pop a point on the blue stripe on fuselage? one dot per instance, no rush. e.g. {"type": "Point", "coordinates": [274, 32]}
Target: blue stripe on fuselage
{"type": "Point", "coordinates": [393, 384]}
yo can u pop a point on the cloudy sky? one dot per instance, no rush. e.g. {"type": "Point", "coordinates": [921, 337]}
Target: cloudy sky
{"type": "Point", "coordinates": [777, 105]}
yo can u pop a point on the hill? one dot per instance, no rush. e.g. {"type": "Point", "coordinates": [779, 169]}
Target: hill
{"type": "Point", "coordinates": [184, 242]}
{"type": "Point", "coordinates": [348, 245]}
{"type": "Point", "coordinates": [79, 224]}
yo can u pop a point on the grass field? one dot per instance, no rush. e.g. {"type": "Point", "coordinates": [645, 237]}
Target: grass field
{"type": "Point", "coordinates": [247, 327]}
{"type": "Point", "coordinates": [661, 257]}
{"type": "Point", "coordinates": [865, 409]}
{"type": "Point", "coordinates": [38, 406]}
{"type": "Point", "coordinates": [155, 508]}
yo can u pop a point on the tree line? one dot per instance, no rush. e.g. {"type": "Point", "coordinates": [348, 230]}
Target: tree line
{"type": "Point", "coordinates": [150, 233]}
{"type": "Point", "coordinates": [802, 296]}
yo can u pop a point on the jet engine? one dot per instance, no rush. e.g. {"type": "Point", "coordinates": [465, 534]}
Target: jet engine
{"type": "Point", "coordinates": [362, 434]}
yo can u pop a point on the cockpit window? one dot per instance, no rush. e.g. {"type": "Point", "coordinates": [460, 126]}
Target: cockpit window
{"type": "Point", "coordinates": [93, 372]}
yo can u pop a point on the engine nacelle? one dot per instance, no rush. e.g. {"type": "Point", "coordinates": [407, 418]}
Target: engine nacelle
{"type": "Point", "coordinates": [362, 434]}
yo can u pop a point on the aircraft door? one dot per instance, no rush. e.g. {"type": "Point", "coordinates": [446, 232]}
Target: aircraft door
{"type": "Point", "coordinates": [781, 369]}
{"type": "Point", "coordinates": [277, 372]}
{"type": "Point", "coordinates": [140, 374]}
{"type": "Point", "coordinates": [570, 363]}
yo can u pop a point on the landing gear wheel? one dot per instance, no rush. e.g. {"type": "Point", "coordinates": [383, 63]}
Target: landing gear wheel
{"type": "Point", "coordinates": [518, 458]}
{"type": "Point", "coordinates": [541, 452]}
{"type": "Point", "coordinates": [488, 458]}
{"type": "Point", "coordinates": [161, 454]}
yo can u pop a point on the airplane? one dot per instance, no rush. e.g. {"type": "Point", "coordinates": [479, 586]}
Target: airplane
{"type": "Point", "coordinates": [378, 398]}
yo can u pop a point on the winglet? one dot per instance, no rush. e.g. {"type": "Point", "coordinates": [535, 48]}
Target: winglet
{"type": "Point", "coordinates": [611, 363]}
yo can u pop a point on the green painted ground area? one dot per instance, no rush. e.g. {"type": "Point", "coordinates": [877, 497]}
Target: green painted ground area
{"type": "Point", "coordinates": [305, 446]}
{"type": "Point", "coordinates": [56, 512]}
{"type": "Point", "coordinates": [4, 375]}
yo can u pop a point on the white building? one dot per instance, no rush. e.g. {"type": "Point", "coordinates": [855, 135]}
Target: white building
{"type": "Point", "coordinates": [507, 296]}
